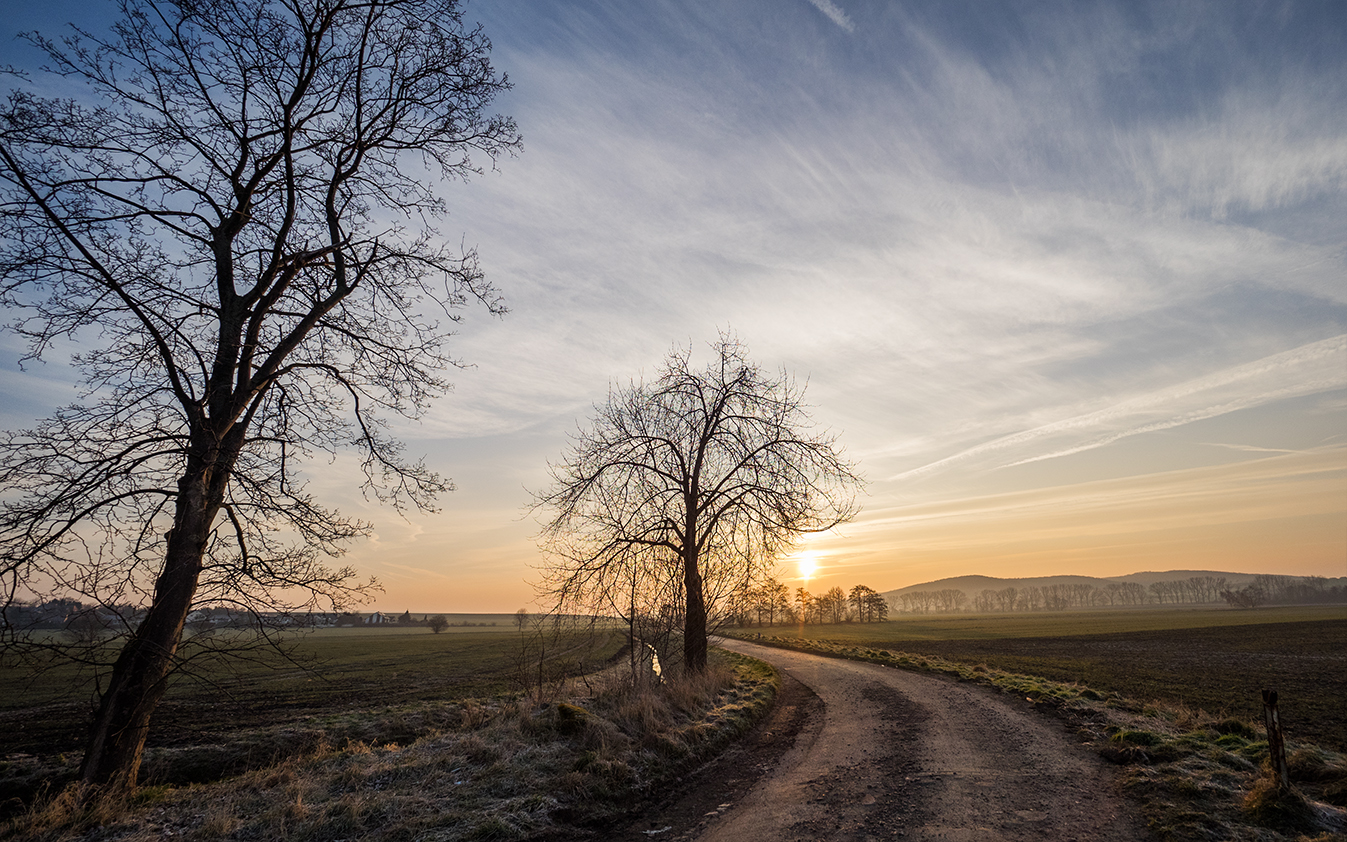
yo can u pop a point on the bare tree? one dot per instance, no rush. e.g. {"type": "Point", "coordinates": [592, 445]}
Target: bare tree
{"type": "Point", "coordinates": [773, 599]}
{"type": "Point", "coordinates": [877, 607]}
{"type": "Point", "coordinates": [699, 480]}
{"type": "Point", "coordinates": [805, 604]}
{"type": "Point", "coordinates": [237, 215]}
{"type": "Point", "coordinates": [834, 605]}
{"type": "Point", "coordinates": [871, 606]}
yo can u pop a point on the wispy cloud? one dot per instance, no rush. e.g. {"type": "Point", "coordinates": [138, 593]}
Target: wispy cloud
{"type": "Point", "coordinates": [834, 13]}
{"type": "Point", "coordinates": [1247, 448]}
{"type": "Point", "coordinates": [1310, 369]}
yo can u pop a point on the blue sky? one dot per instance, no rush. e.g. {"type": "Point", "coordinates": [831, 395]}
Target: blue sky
{"type": "Point", "coordinates": [1068, 279]}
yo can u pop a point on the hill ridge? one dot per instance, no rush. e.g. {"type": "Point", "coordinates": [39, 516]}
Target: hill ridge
{"type": "Point", "coordinates": [974, 583]}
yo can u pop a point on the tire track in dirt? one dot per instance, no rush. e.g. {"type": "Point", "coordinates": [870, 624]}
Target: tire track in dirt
{"type": "Point", "coordinates": [902, 755]}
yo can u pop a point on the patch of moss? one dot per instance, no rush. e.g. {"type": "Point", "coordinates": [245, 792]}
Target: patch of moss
{"type": "Point", "coordinates": [571, 718]}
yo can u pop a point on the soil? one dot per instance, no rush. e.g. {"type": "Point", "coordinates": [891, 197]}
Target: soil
{"type": "Point", "coordinates": [856, 751]}
{"type": "Point", "coordinates": [1220, 670]}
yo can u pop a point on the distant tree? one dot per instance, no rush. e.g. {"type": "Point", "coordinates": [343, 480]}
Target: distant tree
{"type": "Point", "coordinates": [438, 623]}
{"type": "Point", "coordinates": [804, 605]}
{"type": "Point", "coordinates": [1030, 598]}
{"type": "Point", "coordinates": [836, 605]}
{"type": "Point", "coordinates": [226, 209]}
{"type": "Point", "coordinates": [877, 607]}
{"type": "Point", "coordinates": [1250, 596]}
{"type": "Point", "coordinates": [86, 627]}
{"type": "Point", "coordinates": [822, 607]}
{"type": "Point", "coordinates": [776, 598]}
{"type": "Point", "coordinates": [1133, 593]}
{"type": "Point", "coordinates": [1084, 595]}
{"type": "Point", "coordinates": [769, 599]}
{"type": "Point", "coordinates": [703, 476]}
{"type": "Point", "coordinates": [521, 618]}
{"type": "Point", "coordinates": [865, 600]}
{"type": "Point", "coordinates": [1056, 597]}
{"type": "Point", "coordinates": [950, 600]}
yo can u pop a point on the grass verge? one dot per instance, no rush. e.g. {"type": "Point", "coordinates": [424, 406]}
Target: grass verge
{"type": "Point", "coordinates": [1198, 777]}
{"type": "Point", "coordinates": [504, 768]}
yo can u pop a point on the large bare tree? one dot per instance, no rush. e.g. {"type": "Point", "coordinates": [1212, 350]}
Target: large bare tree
{"type": "Point", "coordinates": [692, 484]}
{"type": "Point", "coordinates": [231, 226]}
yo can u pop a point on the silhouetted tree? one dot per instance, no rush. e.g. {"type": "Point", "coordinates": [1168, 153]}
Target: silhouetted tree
{"type": "Point", "coordinates": [706, 476]}
{"type": "Point", "coordinates": [834, 604]}
{"type": "Point", "coordinates": [770, 599]}
{"type": "Point", "coordinates": [438, 623]}
{"type": "Point", "coordinates": [877, 607]}
{"type": "Point", "coordinates": [1250, 596]}
{"type": "Point", "coordinates": [871, 607]}
{"type": "Point", "coordinates": [237, 210]}
{"type": "Point", "coordinates": [857, 597]}
{"type": "Point", "coordinates": [776, 599]}
{"type": "Point", "coordinates": [804, 605]}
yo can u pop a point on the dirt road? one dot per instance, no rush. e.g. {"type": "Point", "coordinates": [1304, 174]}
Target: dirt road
{"type": "Point", "coordinates": [891, 754]}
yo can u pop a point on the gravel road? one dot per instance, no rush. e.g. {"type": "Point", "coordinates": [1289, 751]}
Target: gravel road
{"type": "Point", "coordinates": [891, 754]}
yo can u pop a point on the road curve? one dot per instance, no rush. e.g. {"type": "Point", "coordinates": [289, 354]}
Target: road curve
{"type": "Point", "coordinates": [904, 755]}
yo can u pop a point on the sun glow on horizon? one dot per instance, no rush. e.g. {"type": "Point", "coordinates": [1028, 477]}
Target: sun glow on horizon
{"type": "Point", "coordinates": [807, 563]}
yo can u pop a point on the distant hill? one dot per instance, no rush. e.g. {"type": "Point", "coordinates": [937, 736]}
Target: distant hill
{"type": "Point", "coordinates": [973, 585]}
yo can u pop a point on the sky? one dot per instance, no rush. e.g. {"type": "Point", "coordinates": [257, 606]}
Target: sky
{"type": "Point", "coordinates": [1067, 280]}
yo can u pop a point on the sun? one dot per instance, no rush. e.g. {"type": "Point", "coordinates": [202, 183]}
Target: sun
{"type": "Point", "coordinates": [808, 565]}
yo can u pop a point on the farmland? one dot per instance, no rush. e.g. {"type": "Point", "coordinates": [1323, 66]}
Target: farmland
{"type": "Point", "coordinates": [328, 670]}
{"type": "Point", "coordinates": [1215, 660]}
{"type": "Point", "coordinates": [387, 733]}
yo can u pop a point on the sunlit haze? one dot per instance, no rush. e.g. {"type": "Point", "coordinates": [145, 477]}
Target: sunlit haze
{"type": "Point", "coordinates": [1069, 281]}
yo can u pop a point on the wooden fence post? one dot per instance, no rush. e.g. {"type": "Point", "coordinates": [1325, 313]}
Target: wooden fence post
{"type": "Point", "coordinates": [1276, 743]}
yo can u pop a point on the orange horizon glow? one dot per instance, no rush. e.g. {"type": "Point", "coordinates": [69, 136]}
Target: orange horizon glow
{"type": "Point", "coordinates": [1282, 513]}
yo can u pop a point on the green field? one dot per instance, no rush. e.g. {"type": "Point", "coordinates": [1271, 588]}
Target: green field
{"type": "Point", "coordinates": [333, 670]}
{"type": "Point", "coordinates": [1216, 660]}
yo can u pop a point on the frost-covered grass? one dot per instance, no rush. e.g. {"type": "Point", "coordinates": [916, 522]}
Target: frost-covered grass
{"type": "Point", "coordinates": [503, 768]}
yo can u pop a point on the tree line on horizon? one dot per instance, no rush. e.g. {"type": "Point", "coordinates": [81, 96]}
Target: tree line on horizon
{"type": "Point", "coordinates": [1262, 589]}
{"type": "Point", "coordinates": [772, 602]}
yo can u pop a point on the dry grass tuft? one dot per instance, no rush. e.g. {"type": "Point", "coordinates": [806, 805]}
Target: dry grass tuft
{"type": "Point", "coordinates": [1269, 805]}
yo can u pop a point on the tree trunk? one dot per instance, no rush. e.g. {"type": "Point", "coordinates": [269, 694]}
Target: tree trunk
{"type": "Point", "coordinates": [139, 677]}
{"type": "Point", "coordinates": [694, 619]}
